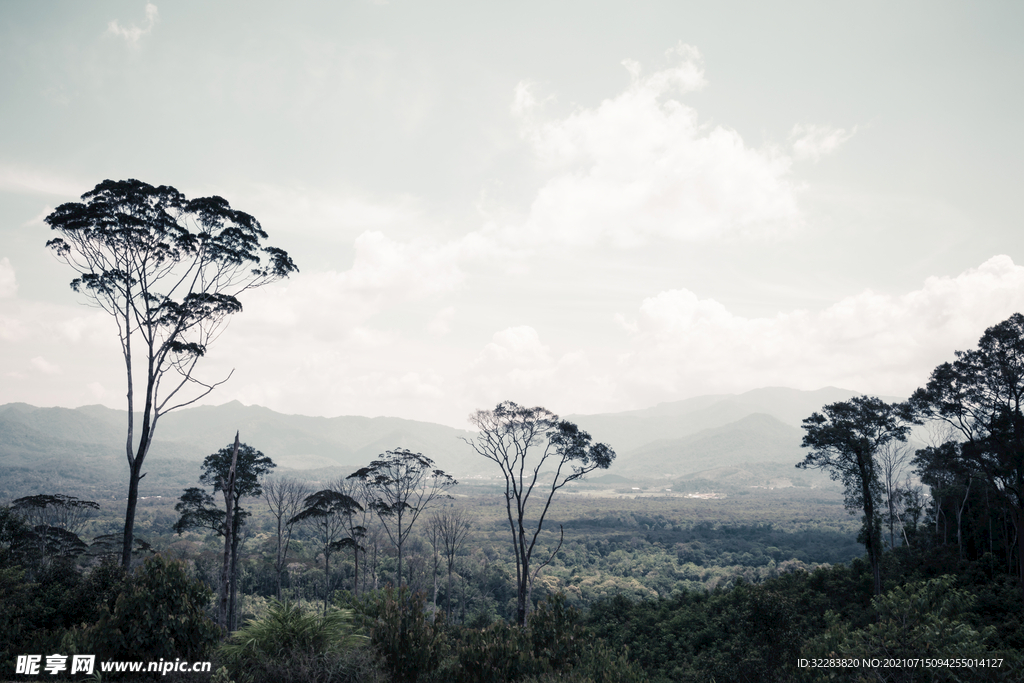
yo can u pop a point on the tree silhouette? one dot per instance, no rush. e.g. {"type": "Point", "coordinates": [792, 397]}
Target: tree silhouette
{"type": "Point", "coordinates": [329, 512]}
{"type": "Point", "coordinates": [198, 509]}
{"type": "Point", "coordinates": [284, 498]}
{"type": "Point", "coordinates": [450, 525]}
{"type": "Point", "coordinates": [402, 484]}
{"type": "Point", "coordinates": [981, 396]}
{"type": "Point", "coordinates": [507, 435]}
{"type": "Point", "coordinates": [845, 439]}
{"type": "Point", "coordinates": [169, 270]}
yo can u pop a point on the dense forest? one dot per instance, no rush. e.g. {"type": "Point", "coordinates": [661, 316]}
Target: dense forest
{"type": "Point", "coordinates": [272, 578]}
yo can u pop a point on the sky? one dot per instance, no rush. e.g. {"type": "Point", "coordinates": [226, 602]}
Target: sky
{"type": "Point", "coordinates": [589, 206]}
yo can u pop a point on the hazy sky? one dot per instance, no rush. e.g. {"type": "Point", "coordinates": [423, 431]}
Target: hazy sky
{"type": "Point", "coordinates": [590, 206]}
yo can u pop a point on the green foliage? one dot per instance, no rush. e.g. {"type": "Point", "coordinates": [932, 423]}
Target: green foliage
{"type": "Point", "coordinates": [923, 619]}
{"type": "Point", "coordinates": [291, 644]}
{"type": "Point", "coordinates": [159, 613]}
{"type": "Point", "coordinates": [14, 597]}
{"type": "Point", "coordinates": [552, 647]}
{"type": "Point", "coordinates": [411, 640]}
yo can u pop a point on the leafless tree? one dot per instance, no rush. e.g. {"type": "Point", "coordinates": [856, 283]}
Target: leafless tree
{"type": "Point", "coordinates": [284, 498]}
{"type": "Point", "coordinates": [893, 458]}
{"type": "Point", "coordinates": [450, 527]}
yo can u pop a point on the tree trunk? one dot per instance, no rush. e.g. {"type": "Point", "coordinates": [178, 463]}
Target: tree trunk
{"type": "Point", "coordinates": [871, 539]}
{"type": "Point", "coordinates": [327, 579]}
{"type": "Point", "coordinates": [228, 488]}
{"type": "Point", "coordinates": [959, 517]}
{"type": "Point", "coordinates": [355, 578]}
{"type": "Point", "coordinates": [448, 594]}
{"type": "Point", "coordinates": [129, 518]}
{"type": "Point", "coordinates": [233, 605]}
{"type": "Point", "coordinates": [279, 565]}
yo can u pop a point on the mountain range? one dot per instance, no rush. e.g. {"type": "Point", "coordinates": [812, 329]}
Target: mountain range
{"type": "Point", "coordinates": [744, 439]}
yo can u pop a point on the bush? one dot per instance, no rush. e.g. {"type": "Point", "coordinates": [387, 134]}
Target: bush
{"type": "Point", "coordinates": [290, 644]}
{"type": "Point", "coordinates": [553, 647]}
{"type": "Point", "coordinates": [411, 641]}
{"type": "Point", "coordinates": [159, 614]}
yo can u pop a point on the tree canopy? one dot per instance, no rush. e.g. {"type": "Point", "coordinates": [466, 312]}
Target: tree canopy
{"type": "Point", "coordinates": [507, 435]}
{"type": "Point", "coordinates": [845, 439]}
{"type": "Point", "coordinates": [980, 395]}
{"type": "Point", "coordinates": [169, 270]}
{"type": "Point", "coordinates": [402, 484]}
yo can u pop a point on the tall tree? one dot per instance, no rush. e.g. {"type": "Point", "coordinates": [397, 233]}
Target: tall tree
{"type": "Point", "coordinates": [328, 512]}
{"type": "Point", "coordinates": [284, 498]}
{"type": "Point", "coordinates": [508, 436]}
{"type": "Point", "coordinates": [198, 509]}
{"type": "Point", "coordinates": [169, 270]}
{"type": "Point", "coordinates": [450, 526]}
{"type": "Point", "coordinates": [981, 396]}
{"type": "Point", "coordinates": [402, 484]}
{"type": "Point", "coordinates": [845, 439]}
{"type": "Point", "coordinates": [357, 522]}
{"type": "Point", "coordinates": [892, 461]}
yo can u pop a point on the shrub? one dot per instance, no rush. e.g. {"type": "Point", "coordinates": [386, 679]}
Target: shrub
{"type": "Point", "coordinates": [411, 641]}
{"type": "Point", "coordinates": [290, 644]}
{"type": "Point", "coordinates": [159, 614]}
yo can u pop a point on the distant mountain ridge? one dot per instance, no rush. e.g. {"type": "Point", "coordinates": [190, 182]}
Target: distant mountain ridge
{"type": "Point", "coordinates": [60, 448]}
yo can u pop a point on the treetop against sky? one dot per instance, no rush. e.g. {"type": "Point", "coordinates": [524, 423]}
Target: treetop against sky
{"type": "Point", "coordinates": [586, 210]}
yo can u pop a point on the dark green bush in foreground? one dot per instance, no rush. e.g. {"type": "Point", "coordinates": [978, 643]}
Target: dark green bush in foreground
{"type": "Point", "coordinates": [290, 644]}
{"type": "Point", "coordinates": [160, 613]}
{"type": "Point", "coordinates": [418, 646]}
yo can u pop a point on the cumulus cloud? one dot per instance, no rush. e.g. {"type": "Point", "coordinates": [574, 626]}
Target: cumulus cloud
{"type": "Point", "coordinates": [517, 365]}
{"type": "Point", "coordinates": [684, 345]}
{"type": "Point", "coordinates": [133, 34]}
{"type": "Point", "coordinates": [814, 141]}
{"type": "Point", "coordinates": [330, 216]}
{"type": "Point", "coordinates": [640, 166]}
{"type": "Point", "coordinates": [8, 282]}
{"type": "Point", "coordinates": [29, 181]}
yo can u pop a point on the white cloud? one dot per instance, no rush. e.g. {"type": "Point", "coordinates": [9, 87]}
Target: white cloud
{"type": "Point", "coordinates": [516, 365]}
{"type": "Point", "coordinates": [28, 181]}
{"type": "Point", "coordinates": [330, 216]}
{"type": "Point", "coordinates": [133, 34]}
{"type": "Point", "coordinates": [683, 345]}
{"type": "Point", "coordinates": [8, 282]}
{"type": "Point", "coordinates": [813, 142]}
{"type": "Point", "coordinates": [416, 269]}
{"type": "Point", "coordinates": [44, 366]}
{"type": "Point", "coordinates": [641, 166]}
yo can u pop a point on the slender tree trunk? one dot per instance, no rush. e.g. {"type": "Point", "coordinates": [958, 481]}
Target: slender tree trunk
{"type": "Point", "coordinates": [448, 594]}
{"type": "Point", "coordinates": [327, 579]}
{"type": "Point", "coordinates": [959, 517]}
{"type": "Point", "coordinates": [233, 606]}
{"type": "Point", "coordinates": [400, 542]}
{"type": "Point", "coordinates": [128, 539]}
{"type": "Point", "coordinates": [129, 517]}
{"type": "Point", "coordinates": [279, 564]}
{"type": "Point", "coordinates": [1018, 521]}
{"type": "Point", "coordinates": [228, 488]}
{"type": "Point", "coordinates": [355, 578]}
{"type": "Point", "coordinates": [871, 539]}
